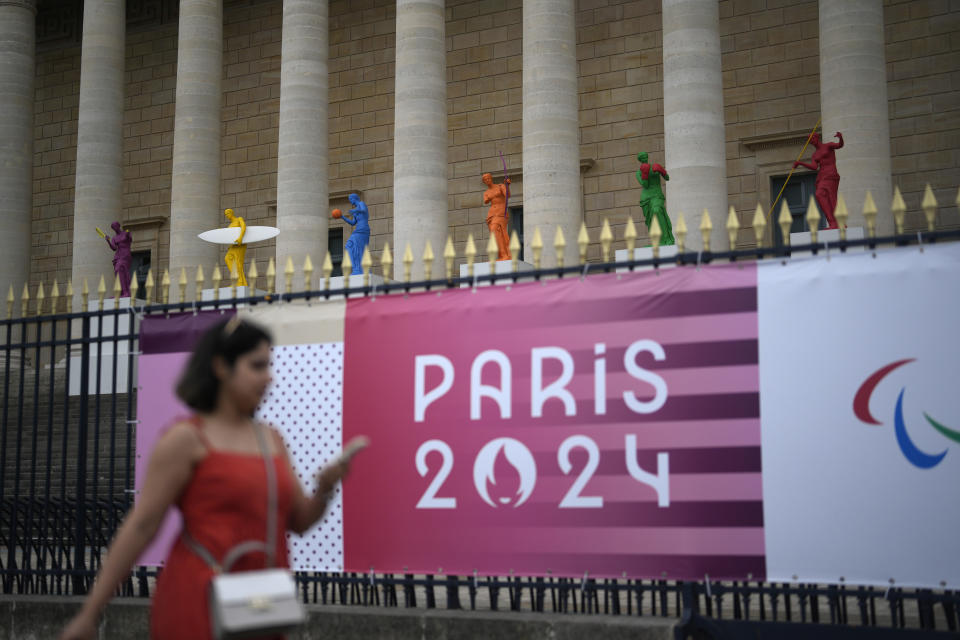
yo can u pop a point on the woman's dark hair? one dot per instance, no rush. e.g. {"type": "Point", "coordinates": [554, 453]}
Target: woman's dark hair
{"type": "Point", "coordinates": [198, 385]}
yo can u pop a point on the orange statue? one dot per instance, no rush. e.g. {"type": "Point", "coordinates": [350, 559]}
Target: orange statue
{"type": "Point", "coordinates": [496, 196]}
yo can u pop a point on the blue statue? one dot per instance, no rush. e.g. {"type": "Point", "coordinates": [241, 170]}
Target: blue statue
{"type": "Point", "coordinates": [360, 237]}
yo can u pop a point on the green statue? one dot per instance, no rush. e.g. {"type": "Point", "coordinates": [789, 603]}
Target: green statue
{"type": "Point", "coordinates": [652, 200]}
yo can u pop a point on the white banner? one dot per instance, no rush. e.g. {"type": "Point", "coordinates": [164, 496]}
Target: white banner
{"type": "Point", "coordinates": [860, 412]}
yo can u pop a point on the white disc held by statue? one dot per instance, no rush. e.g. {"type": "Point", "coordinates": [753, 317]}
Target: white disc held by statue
{"type": "Point", "coordinates": [229, 235]}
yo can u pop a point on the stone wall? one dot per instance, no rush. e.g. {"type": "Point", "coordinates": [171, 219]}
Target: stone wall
{"type": "Point", "coordinates": [771, 99]}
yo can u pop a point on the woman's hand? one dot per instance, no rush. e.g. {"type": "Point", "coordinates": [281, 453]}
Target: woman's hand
{"type": "Point", "coordinates": [81, 627]}
{"type": "Point", "coordinates": [339, 468]}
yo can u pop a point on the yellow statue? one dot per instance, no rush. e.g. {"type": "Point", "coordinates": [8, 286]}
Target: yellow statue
{"type": "Point", "coordinates": [236, 253]}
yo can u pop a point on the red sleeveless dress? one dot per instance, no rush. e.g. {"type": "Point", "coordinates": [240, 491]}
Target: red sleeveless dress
{"type": "Point", "coordinates": [224, 504]}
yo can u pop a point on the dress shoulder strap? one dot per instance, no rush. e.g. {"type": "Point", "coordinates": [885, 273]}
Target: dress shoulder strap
{"type": "Point", "coordinates": [197, 421]}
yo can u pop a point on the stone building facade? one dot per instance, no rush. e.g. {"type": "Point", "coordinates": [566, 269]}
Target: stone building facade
{"type": "Point", "coordinates": [749, 76]}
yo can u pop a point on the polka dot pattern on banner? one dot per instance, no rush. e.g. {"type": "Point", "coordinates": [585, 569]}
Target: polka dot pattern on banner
{"type": "Point", "coordinates": [305, 404]}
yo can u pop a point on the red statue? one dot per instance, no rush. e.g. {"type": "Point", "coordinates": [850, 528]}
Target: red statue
{"type": "Point", "coordinates": [824, 162]}
{"type": "Point", "coordinates": [496, 196]}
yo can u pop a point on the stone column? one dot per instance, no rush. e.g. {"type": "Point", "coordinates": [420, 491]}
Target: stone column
{"type": "Point", "coordinates": [98, 198]}
{"type": "Point", "coordinates": [302, 188]}
{"type": "Point", "coordinates": [853, 101]}
{"type": "Point", "coordinates": [17, 47]}
{"type": "Point", "coordinates": [420, 132]}
{"type": "Point", "coordinates": [551, 142]}
{"type": "Point", "coordinates": [195, 181]}
{"type": "Point", "coordinates": [694, 134]}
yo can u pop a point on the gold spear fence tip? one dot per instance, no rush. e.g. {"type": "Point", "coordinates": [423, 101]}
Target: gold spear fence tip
{"type": "Point", "coordinates": [870, 214]}
{"type": "Point", "coordinates": [271, 276]}
{"type": "Point", "coordinates": [733, 227]}
{"type": "Point", "coordinates": [606, 239]}
{"type": "Point", "coordinates": [470, 253]}
{"type": "Point", "coordinates": [117, 287]}
{"type": "Point", "coordinates": [288, 271]}
{"type": "Point", "coordinates": [327, 270]}
{"type": "Point", "coordinates": [515, 251]}
{"type": "Point", "coordinates": [536, 245]}
{"type": "Point", "coordinates": [10, 300]}
{"type": "Point", "coordinates": [785, 220]}
{"type": "Point", "coordinates": [929, 206]}
{"type": "Point", "coordinates": [706, 226]}
{"type": "Point", "coordinates": [428, 259]}
{"type": "Point", "coordinates": [583, 241]}
{"type": "Point", "coordinates": [134, 287]}
{"type": "Point", "coordinates": [559, 244]}
{"type": "Point", "coordinates": [55, 295]}
{"type": "Point", "coordinates": [183, 285]}
{"type": "Point", "coordinates": [449, 255]}
{"type": "Point", "coordinates": [630, 236]}
{"type": "Point", "coordinates": [149, 285]}
{"type": "Point", "coordinates": [164, 286]}
{"type": "Point", "coordinates": [199, 279]}
{"type": "Point", "coordinates": [759, 224]}
{"type": "Point", "coordinates": [386, 261]}
{"type": "Point", "coordinates": [408, 263]}
{"type": "Point", "coordinates": [681, 232]}
{"type": "Point", "coordinates": [655, 234]}
{"type": "Point", "coordinates": [899, 209]}
{"type": "Point", "coordinates": [367, 263]}
{"type": "Point", "coordinates": [493, 251]}
{"type": "Point", "coordinates": [101, 292]}
{"type": "Point", "coordinates": [215, 279]}
{"type": "Point", "coordinates": [40, 298]}
{"type": "Point", "coordinates": [346, 267]}
{"type": "Point", "coordinates": [813, 219]}
{"type": "Point", "coordinates": [24, 299]}
{"type": "Point", "coordinates": [841, 213]}
{"type": "Point", "coordinates": [307, 273]}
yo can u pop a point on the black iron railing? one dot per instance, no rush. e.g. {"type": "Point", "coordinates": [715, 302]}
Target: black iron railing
{"type": "Point", "coordinates": [68, 458]}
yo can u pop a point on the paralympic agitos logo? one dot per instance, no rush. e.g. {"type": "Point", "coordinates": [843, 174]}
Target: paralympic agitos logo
{"type": "Point", "coordinates": [861, 408]}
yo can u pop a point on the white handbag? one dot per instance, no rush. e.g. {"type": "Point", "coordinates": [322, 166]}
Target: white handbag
{"type": "Point", "coordinates": [252, 603]}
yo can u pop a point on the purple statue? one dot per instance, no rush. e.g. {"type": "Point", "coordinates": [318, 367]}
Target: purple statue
{"type": "Point", "coordinates": [120, 244]}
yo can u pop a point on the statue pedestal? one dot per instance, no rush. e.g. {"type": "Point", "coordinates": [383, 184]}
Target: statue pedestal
{"type": "Point", "coordinates": [104, 354]}
{"type": "Point", "coordinates": [356, 281]}
{"type": "Point", "coordinates": [646, 253]}
{"type": "Point", "coordinates": [226, 293]}
{"type": "Point", "coordinates": [830, 236]}
{"type": "Point", "coordinates": [501, 266]}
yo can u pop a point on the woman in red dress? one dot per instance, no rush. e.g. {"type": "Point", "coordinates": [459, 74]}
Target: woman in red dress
{"type": "Point", "coordinates": [211, 467]}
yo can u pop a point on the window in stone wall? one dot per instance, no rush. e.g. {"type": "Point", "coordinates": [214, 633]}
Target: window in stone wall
{"type": "Point", "coordinates": [515, 223]}
{"type": "Point", "coordinates": [139, 267]}
{"type": "Point", "coordinates": [335, 247]}
{"type": "Point", "coordinates": [800, 189]}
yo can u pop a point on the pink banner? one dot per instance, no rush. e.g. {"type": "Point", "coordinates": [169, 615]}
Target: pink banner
{"type": "Point", "coordinates": [608, 427]}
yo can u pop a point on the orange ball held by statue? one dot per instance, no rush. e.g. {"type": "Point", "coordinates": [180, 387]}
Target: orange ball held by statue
{"type": "Point", "coordinates": [337, 213]}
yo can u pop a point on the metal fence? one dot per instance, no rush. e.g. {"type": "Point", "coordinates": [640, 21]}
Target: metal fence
{"type": "Point", "coordinates": [67, 449]}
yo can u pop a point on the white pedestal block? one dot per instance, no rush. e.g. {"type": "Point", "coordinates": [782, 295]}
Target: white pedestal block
{"type": "Point", "coordinates": [646, 253]}
{"type": "Point", "coordinates": [502, 266]}
{"type": "Point", "coordinates": [102, 353]}
{"type": "Point", "coordinates": [226, 293]}
{"type": "Point", "coordinates": [830, 236]}
{"type": "Point", "coordinates": [356, 281]}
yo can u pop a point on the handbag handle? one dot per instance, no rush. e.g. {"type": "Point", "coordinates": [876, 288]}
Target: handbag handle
{"type": "Point", "coordinates": [243, 548]}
